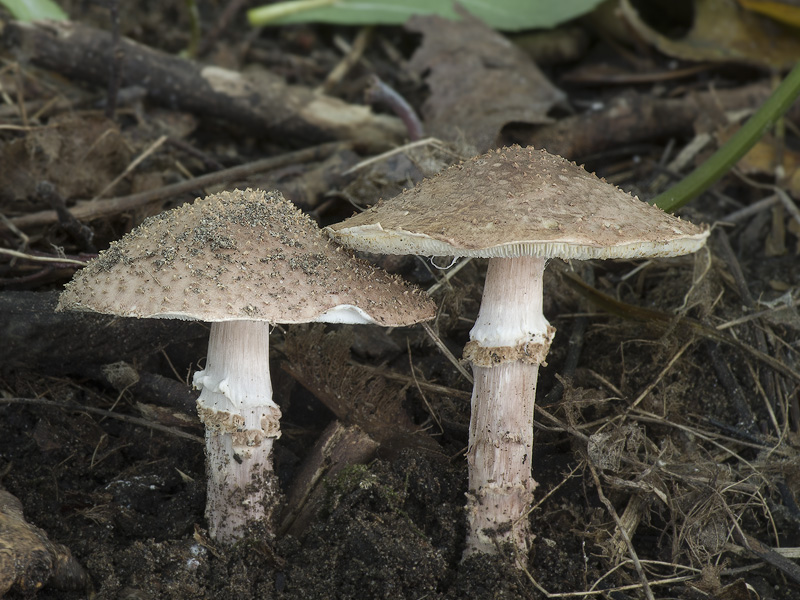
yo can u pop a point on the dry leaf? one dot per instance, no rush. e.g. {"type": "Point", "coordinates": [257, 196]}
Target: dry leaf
{"type": "Point", "coordinates": [724, 32]}
{"type": "Point", "coordinates": [79, 154]}
{"type": "Point", "coordinates": [762, 159]}
{"type": "Point", "coordinates": [479, 81]}
{"type": "Point", "coordinates": [783, 11]}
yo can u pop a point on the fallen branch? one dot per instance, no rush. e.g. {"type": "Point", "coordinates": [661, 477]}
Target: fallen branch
{"type": "Point", "coordinates": [640, 118]}
{"type": "Point", "coordinates": [263, 105]}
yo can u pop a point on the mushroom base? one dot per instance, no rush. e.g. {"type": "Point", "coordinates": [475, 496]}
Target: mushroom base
{"type": "Point", "coordinates": [242, 487]}
{"type": "Point", "coordinates": [499, 458]}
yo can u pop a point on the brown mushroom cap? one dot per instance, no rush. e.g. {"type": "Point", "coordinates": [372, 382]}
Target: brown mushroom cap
{"type": "Point", "coordinates": [518, 202]}
{"type": "Point", "coordinates": [241, 255]}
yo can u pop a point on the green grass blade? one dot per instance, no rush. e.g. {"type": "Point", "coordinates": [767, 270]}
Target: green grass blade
{"type": "Point", "coordinates": [737, 146]}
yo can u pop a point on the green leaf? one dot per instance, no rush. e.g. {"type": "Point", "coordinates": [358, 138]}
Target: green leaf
{"type": "Point", "coordinates": [34, 10]}
{"type": "Point", "coordinates": [508, 15]}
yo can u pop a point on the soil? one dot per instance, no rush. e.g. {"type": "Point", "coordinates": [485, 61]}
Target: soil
{"type": "Point", "coordinates": [677, 425]}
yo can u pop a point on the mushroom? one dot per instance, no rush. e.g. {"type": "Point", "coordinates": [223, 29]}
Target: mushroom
{"type": "Point", "coordinates": [241, 260]}
{"type": "Point", "coordinates": [517, 207]}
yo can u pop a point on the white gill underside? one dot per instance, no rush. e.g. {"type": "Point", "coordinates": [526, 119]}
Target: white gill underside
{"type": "Point", "coordinates": [373, 238]}
{"type": "Point", "coordinates": [347, 314]}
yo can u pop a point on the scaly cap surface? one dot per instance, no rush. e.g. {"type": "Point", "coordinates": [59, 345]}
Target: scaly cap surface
{"type": "Point", "coordinates": [241, 255]}
{"type": "Point", "coordinates": [518, 202]}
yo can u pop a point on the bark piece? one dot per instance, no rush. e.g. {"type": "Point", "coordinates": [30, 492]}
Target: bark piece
{"type": "Point", "coordinates": [339, 446]}
{"type": "Point", "coordinates": [320, 363]}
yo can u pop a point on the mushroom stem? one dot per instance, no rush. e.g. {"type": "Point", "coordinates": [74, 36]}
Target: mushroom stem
{"type": "Point", "coordinates": [510, 339]}
{"type": "Point", "coordinates": [242, 422]}
{"type": "Point", "coordinates": [499, 457]}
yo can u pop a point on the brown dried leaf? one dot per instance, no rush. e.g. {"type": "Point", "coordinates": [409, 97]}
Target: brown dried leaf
{"type": "Point", "coordinates": [80, 155]}
{"type": "Point", "coordinates": [724, 32]}
{"type": "Point", "coordinates": [763, 159]}
{"type": "Point", "coordinates": [479, 81]}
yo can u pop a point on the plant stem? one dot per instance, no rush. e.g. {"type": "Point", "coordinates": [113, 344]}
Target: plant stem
{"type": "Point", "coordinates": [264, 15]}
{"type": "Point", "coordinates": [723, 159]}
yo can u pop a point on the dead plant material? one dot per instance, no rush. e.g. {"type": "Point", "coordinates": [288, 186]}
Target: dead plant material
{"type": "Point", "coordinates": [339, 446]}
{"type": "Point", "coordinates": [28, 559]}
{"type": "Point", "coordinates": [106, 413]}
{"type": "Point", "coordinates": [635, 118]}
{"type": "Point", "coordinates": [767, 554]}
{"type": "Point", "coordinates": [478, 81]}
{"type": "Point", "coordinates": [666, 320]}
{"type": "Point", "coordinates": [699, 484]}
{"type": "Point", "coordinates": [88, 210]}
{"type": "Point", "coordinates": [262, 104]}
{"type": "Point", "coordinates": [624, 534]}
{"type": "Point", "coordinates": [320, 362]}
{"type": "Point", "coordinates": [710, 584]}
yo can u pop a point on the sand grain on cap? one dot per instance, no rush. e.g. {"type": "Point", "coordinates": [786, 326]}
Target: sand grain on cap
{"type": "Point", "coordinates": [241, 255]}
{"type": "Point", "coordinates": [518, 202]}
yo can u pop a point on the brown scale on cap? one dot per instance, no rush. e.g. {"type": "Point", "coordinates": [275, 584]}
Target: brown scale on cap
{"type": "Point", "coordinates": [241, 255]}
{"type": "Point", "coordinates": [518, 202]}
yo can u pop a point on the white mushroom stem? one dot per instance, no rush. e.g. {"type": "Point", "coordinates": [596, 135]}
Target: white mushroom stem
{"type": "Point", "coordinates": [508, 342]}
{"type": "Point", "coordinates": [242, 422]}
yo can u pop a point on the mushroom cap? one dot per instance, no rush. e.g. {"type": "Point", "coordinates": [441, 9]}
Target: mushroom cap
{"type": "Point", "coordinates": [518, 202]}
{"type": "Point", "coordinates": [241, 255]}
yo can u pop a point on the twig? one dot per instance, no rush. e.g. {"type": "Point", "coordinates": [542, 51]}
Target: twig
{"type": "Point", "coordinates": [574, 348]}
{"type": "Point", "coordinates": [47, 259]}
{"type": "Point", "coordinates": [726, 156]}
{"type": "Point", "coordinates": [105, 413]}
{"type": "Point", "coordinates": [731, 385]}
{"type": "Point", "coordinates": [623, 533]}
{"type": "Point", "coordinates": [446, 351]}
{"type": "Point", "coordinates": [79, 232]}
{"type": "Point", "coordinates": [426, 385]}
{"type": "Point", "coordinates": [783, 197]}
{"type": "Point", "coordinates": [223, 20]}
{"type": "Point", "coordinates": [764, 552]}
{"type": "Point", "coordinates": [15, 230]}
{"type": "Point", "coordinates": [661, 319]}
{"type": "Point", "coordinates": [103, 208]}
{"type": "Point", "coordinates": [430, 141]}
{"type": "Point", "coordinates": [353, 54]}
{"type": "Point", "coordinates": [751, 209]}
{"type": "Point", "coordinates": [729, 256]}
{"type": "Point", "coordinates": [134, 163]}
{"type": "Point", "coordinates": [661, 375]}
{"type": "Point", "coordinates": [433, 414]}
{"type": "Point", "coordinates": [448, 275]}
{"type": "Point", "coordinates": [211, 163]}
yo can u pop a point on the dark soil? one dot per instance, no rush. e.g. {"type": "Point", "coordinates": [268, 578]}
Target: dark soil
{"type": "Point", "coordinates": [691, 439]}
